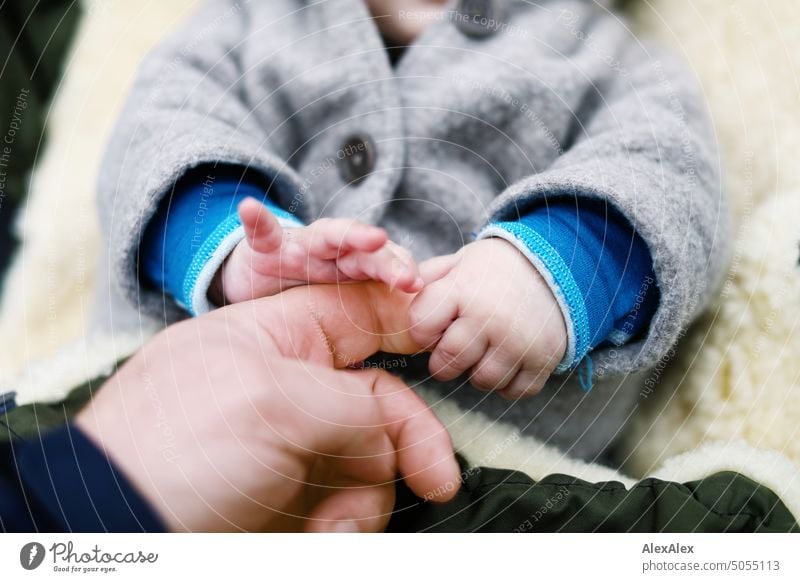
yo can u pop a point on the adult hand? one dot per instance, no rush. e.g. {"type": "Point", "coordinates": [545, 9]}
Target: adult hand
{"type": "Point", "coordinates": [234, 421]}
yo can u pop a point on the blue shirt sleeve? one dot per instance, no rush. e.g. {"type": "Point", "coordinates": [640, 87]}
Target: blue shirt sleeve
{"type": "Point", "coordinates": [61, 482]}
{"type": "Point", "coordinates": [195, 228]}
{"type": "Point", "coordinates": [599, 268]}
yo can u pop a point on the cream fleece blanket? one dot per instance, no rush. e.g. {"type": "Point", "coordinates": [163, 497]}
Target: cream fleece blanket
{"type": "Point", "coordinates": [734, 379]}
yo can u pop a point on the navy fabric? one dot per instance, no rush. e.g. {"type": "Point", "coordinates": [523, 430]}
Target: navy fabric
{"type": "Point", "coordinates": [61, 482]}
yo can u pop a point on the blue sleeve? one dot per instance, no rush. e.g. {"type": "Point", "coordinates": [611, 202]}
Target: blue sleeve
{"type": "Point", "coordinates": [61, 482]}
{"type": "Point", "coordinates": [598, 267]}
{"type": "Point", "coordinates": [195, 229]}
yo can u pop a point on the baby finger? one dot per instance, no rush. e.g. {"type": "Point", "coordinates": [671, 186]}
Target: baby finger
{"type": "Point", "coordinates": [461, 347]}
{"type": "Point", "coordinates": [495, 370]}
{"type": "Point", "coordinates": [525, 384]}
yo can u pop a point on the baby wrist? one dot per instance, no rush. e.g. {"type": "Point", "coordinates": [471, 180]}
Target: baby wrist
{"type": "Point", "coordinates": [558, 277]}
{"type": "Point", "coordinates": [206, 297]}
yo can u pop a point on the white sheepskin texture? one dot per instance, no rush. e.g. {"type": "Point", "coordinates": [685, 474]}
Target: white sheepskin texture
{"type": "Point", "coordinates": [48, 291]}
{"type": "Point", "coordinates": [736, 375]}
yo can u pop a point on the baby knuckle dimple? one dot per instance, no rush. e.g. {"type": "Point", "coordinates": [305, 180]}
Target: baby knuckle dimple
{"type": "Point", "coordinates": [482, 382]}
{"type": "Point", "coordinates": [529, 386]}
{"type": "Point", "coordinates": [415, 313]}
{"type": "Point", "coordinates": [422, 334]}
{"type": "Point", "coordinates": [487, 377]}
{"type": "Point", "coordinates": [425, 337]}
{"type": "Point", "coordinates": [349, 265]}
{"type": "Point", "coordinates": [448, 356]}
{"type": "Point", "coordinates": [544, 358]}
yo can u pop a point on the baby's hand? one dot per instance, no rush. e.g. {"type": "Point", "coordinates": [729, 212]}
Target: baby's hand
{"type": "Point", "coordinates": [271, 258]}
{"type": "Point", "coordinates": [486, 309]}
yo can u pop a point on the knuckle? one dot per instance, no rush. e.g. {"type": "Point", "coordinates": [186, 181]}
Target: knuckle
{"type": "Point", "coordinates": [424, 336]}
{"type": "Point", "coordinates": [524, 387]}
{"type": "Point", "coordinates": [415, 312]}
{"type": "Point", "coordinates": [417, 323]}
{"type": "Point", "coordinates": [492, 374]}
{"type": "Point", "coordinates": [349, 265]}
{"type": "Point", "coordinates": [485, 378]}
{"type": "Point", "coordinates": [448, 355]}
{"type": "Point", "coordinates": [420, 309]}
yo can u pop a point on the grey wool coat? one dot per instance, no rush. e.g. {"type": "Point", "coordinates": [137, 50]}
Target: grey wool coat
{"type": "Point", "coordinates": [480, 119]}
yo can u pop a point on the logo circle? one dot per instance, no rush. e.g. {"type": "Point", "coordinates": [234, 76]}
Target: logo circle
{"type": "Point", "coordinates": [31, 555]}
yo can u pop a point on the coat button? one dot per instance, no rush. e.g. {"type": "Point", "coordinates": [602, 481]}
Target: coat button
{"type": "Point", "coordinates": [480, 18]}
{"type": "Point", "coordinates": [356, 158]}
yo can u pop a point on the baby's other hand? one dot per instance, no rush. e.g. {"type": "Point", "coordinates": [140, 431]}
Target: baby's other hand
{"type": "Point", "coordinates": [271, 258]}
{"type": "Point", "coordinates": [488, 311]}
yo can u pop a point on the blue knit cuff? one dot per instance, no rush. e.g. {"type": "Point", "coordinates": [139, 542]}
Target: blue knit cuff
{"type": "Point", "coordinates": [559, 279]}
{"type": "Point", "coordinates": [193, 232]}
{"type": "Point", "coordinates": [206, 262]}
{"type": "Point", "coordinates": [598, 267]}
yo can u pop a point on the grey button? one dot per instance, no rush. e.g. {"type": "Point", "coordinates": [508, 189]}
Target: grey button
{"type": "Point", "coordinates": [356, 158]}
{"type": "Point", "coordinates": [480, 18]}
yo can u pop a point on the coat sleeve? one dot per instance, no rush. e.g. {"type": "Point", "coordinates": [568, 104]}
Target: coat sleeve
{"type": "Point", "coordinates": [187, 107]}
{"type": "Point", "coordinates": [60, 481]}
{"type": "Point", "coordinates": [642, 142]}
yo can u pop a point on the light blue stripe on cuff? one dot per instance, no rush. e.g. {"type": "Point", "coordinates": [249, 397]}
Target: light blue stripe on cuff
{"type": "Point", "coordinates": [558, 276]}
{"type": "Point", "coordinates": [201, 258]}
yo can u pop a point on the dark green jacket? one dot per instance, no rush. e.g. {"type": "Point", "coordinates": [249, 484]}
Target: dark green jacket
{"type": "Point", "coordinates": [497, 500]}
